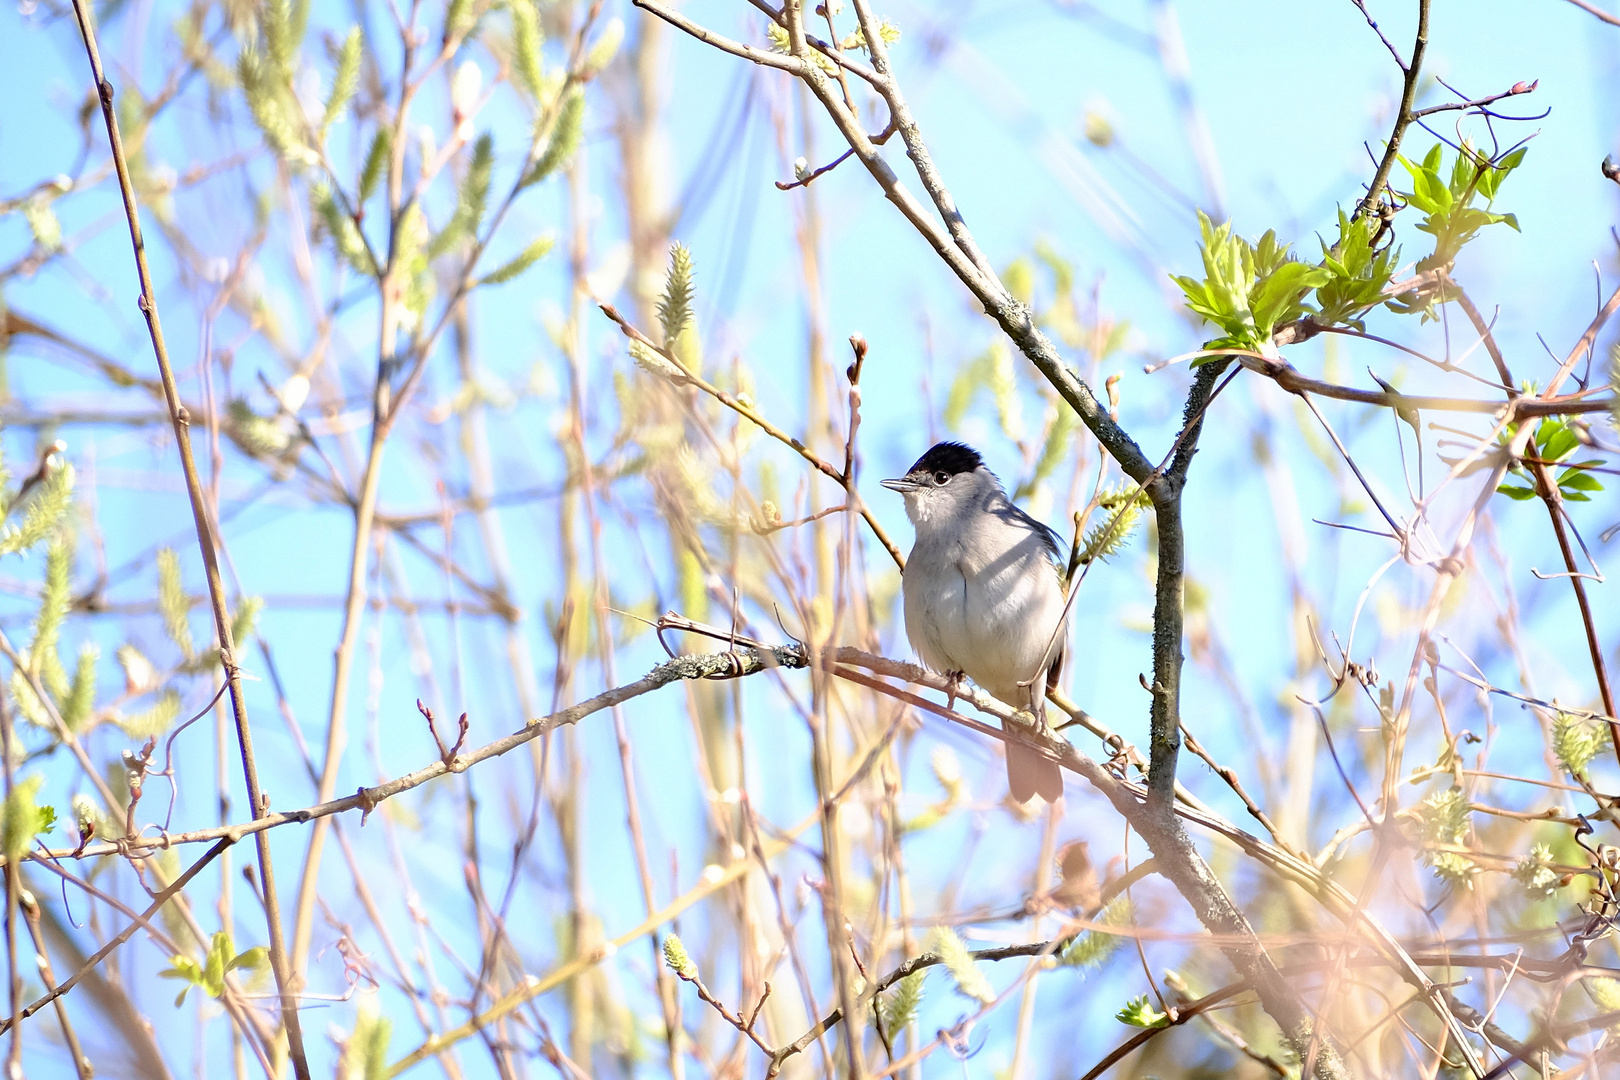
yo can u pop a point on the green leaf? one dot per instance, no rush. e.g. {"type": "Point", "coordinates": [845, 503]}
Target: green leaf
{"type": "Point", "coordinates": [1247, 289]}
{"type": "Point", "coordinates": [173, 601]}
{"type": "Point", "coordinates": [471, 199]}
{"type": "Point", "coordinates": [953, 952]}
{"type": "Point", "coordinates": [1574, 484]}
{"type": "Point", "coordinates": [1579, 477]}
{"type": "Point", "coordinates": [676, 956]}
{"type": "Point", "coordinates": [900, 1007]}
{"type": "Point", "coordinates": [1107, 539]}
{"type": "Point", "coordinates": [675, 305]}
{"type": "Point", "coordinates": [526, 42]}
{"type": "Point", "coordinates": [344, 80]}
{"type": "Point", "coordinates": [1424, 182]}
{"type": "Point", "coordinates": [1094, 947]}
{"type": "Point", "coordinates": [1555, 441]}
{"type": "Point", "coordinates": [459, 19]}
{"type": "Point", "coordinates": [1577, 740]}
{"type": "Point", "coordinates": [365, 1051]}
{"type": "Point", "coordinates": [564, 140]}
{"type": "Point", "coordinates": [1138, 1013]}
{"type": "Point", "coordinates": [530, 255]}
{"type": "Point", "coordinates": [46, 506]}
{"type": "Point", "coordinates": [81, 696]}
{"type": "Point", "coordinates": [246, 618]}
{"type": "Point", "coordinates": [21, 819]}
{"type": "Point", "coordinates": [251, 959]}
{"type": "Point", "coordinates": [151, 721]}
{"type": "Point", "coordinates": [185, 969]}
{"type": "Point", "coordinates": [1276, 299]}
{"type": "Point", "coordinates": [1491, 180]}
{"type": "Point", "coordinates": [214, 964]}
{"type": "Point", "coordinates": [1515, 492]}
{"type": "Point", "coordinates": [182, 967]}
{"type": "Point", "coordinates": [1450, 216]}
{"type": "Point", "coordinates": [1432, 190]}
{"type": "Point", "coordinates": [376, 159]}
{"type": "Point", "coordinates": [56, 599]}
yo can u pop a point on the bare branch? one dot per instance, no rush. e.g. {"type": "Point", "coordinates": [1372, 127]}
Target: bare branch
{"type": "Point", "coordinates": [1597, 12]}
{"type": "Point", "coordinates": [1412, 74]}
{"type": "Point", "coordinates": [181, 421]}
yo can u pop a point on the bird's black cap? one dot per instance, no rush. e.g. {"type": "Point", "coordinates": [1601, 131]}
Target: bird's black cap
{"type": "Point", "coordinates": [948, 457]}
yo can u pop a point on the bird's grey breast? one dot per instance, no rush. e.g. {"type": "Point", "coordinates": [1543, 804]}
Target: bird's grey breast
{"type": "Point", "coordinates": [982, 595]}
{"type": "Point", "coordinates": [934, 587]}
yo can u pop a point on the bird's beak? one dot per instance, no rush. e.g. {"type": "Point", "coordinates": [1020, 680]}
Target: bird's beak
{"type": "Point", "coordinates": [902, 486]}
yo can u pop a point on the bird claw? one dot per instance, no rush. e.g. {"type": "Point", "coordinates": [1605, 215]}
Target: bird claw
{"type": "Point", "coordinates": [953, 686]}
{"type": "Point", "coordinates": [1030, 718]}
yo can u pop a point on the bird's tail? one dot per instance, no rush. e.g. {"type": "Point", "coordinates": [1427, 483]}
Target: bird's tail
{"type": "Point", "coordinates": [1030, 774]}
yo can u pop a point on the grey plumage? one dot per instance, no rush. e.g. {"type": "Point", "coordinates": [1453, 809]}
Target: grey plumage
{"type": "Point", "coordinates": [983, 593]}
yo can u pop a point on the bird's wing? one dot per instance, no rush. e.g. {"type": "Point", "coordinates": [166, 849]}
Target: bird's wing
{"type": "Point", "coordinates": [1048, 537]}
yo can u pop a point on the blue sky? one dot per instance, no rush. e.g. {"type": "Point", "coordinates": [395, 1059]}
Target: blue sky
{"type": "Point", "coordinates": [1292, 94]}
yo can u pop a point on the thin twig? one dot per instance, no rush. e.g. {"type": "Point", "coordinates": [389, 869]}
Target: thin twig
{"type": "Point", "coordinates": [734, 1019]}
{"type": "Point", "coordinates": [124, 935]}
{"type": "Point", "coordinates": [1412, 73]}
{"type": "Point", "coordinates": [1230, 776]}
{"type": "Point", "coordinates": [1483, 328]}
{"type": "Point", "coordinates": [1594, 10]}
{"type": "Point", "coordinates": [1289, 378]}
{"type": "Point", "coordinates": [1552, 498]}
{"type": "Point", "coordinates": [181, 421]}
{"type": "Point", "coordinates": [725, 665]}
{"type": "Point", "coordinates": [681, 376]}
{"type": "Point", "coordinates": [81, 1064]}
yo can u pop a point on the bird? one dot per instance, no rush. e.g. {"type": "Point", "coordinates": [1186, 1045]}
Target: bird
{"type": "Point", "coordinates": [984, 594]}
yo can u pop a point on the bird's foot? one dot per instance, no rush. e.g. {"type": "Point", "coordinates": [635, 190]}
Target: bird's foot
{"type": "Point", "coordinates": [953, 686]}
{"type": "Point", "coordinates": [1027, 718]}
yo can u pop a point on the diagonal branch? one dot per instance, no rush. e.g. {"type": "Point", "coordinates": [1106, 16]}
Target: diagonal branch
{"type": "Point", "coordinates": [680, 376]}
{"type": "Point", "coordinates": [724, 665]}
{"type": "Point", "coordinates": [205, 542]}
{"type": "Point", "coordinates": [124, 935]}
{"type": "Point", "coordinates": [1412, 74]}
{"type": "Point", "coordinates": [1014, 317]}
{"type": "Point", "coordinates": [1596, 12]}
{"type": "Point", "coordinates": [916, 149]}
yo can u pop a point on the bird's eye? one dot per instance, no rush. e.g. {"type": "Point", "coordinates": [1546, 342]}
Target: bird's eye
{"type": "Point", "coordinates": [942, 478]}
